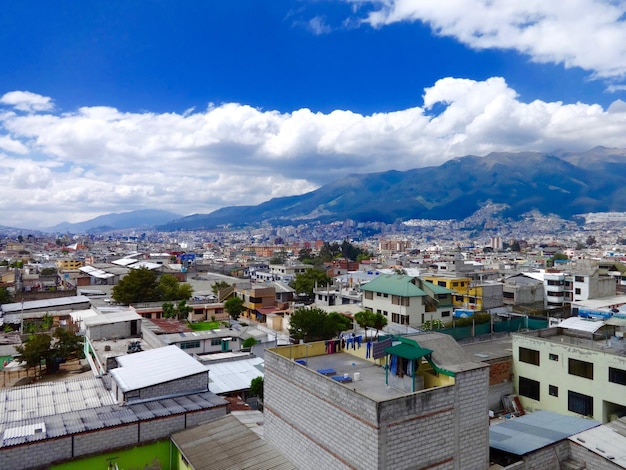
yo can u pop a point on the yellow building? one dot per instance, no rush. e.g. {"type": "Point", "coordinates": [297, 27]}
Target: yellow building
{"type": "Point", "coordinates": [69, 264]}
{"type": "Point", "coordinates": [474, 295]}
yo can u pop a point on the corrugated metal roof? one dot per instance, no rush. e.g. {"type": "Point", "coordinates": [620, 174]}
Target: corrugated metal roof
{"type": "Point", "coordinates": [17, 307]}
{"type": "Point", "coordinates": [235, 446]}
{"type": "Point", "coordinates": [581, 324]}
{"type": "Point", "coordinates": [608, 441]}
{"type": "Point", "coordinates": [536, 430]}
{"type": "Point", "coordinates": [113, 317]}
{"type": "Point", "coordinates": [21, 414]}
{"type": "Point", "coordinates": [147, 368]}
{"type": "Point", "coordinates": [394, 284]}
{"type": "Point", "coordinates": [233, 376]}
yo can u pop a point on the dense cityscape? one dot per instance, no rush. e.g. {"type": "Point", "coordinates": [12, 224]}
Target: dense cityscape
{"type": "Point", "coordinates": [468, 301]}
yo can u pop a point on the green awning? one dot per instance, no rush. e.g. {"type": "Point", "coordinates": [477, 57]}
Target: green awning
{"type": "Point", "coordinates": [408, 351]}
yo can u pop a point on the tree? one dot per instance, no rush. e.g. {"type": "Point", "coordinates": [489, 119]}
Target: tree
{"type": "Point", "coordinates": [234, 307]}
{"type": "Point", "coordinates": [305, 282]}
{"type": "Point", "coordinates": [48, 271]}
{"type": "Point", "coordinates": [5, 296]}
{"type": "Point", "coordinates": [47, 322]}
{"type": "Point", "coordinates": [183, 310]}
{"type": "Point", "coordinates": [256, 387]}
{"type": "Point", "coordinates": [168, 310]}
{"type": "Point", "coordinates": [591, 240]}
{"type": "Point", "coordinates": [367, 319]}
{"type": "Point", "coordinates": [218, 286]}
{"type": "Point", "coordinates": [139, 285]}
{"type": "Point", "coordinates": [54, 350]}
{"type": "Point", "coordinates": [248, 342]}
{"type": "Point", "coordinates": [170, 289]}
{"type": "Point", "coordinates": [557, 256]}
{"type": "Point", "coordinates": [314, 324]}
{"type": "Point", "coordinates": [144, 285]}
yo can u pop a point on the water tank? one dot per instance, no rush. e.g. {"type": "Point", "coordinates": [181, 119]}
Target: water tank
{"type": "Point", "coordinates": [357, 376]}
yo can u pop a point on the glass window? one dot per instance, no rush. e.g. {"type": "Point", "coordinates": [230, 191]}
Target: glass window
{"type": "Point", "coordinates": [580, 368]}
{"type": "Point", "coordinates": [529, 356]}
{"type": "Point", "coordinates": [579, 403]}
{"type": "Point", "coordinates": [617, 376]}
{"type": "Point", "coordinates": [554, 357]}
{"type": "Point", "coordinates": [553, 390]}
{"type": "Point", "coordinates": [529, 388]}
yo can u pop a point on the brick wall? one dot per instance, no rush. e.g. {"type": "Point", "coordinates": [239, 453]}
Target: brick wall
{"type": "Point", "coordinates": [158, 428]}
{"type": "Point", "coordinates": [318, 423]}
{"type": "Point", "coordinates": [197, 382]}
{"type": "Point", "coordinates": [500, 371]}
{"type": "Point", "coordinates": [592, 460]}
{"type": "Point", "coordinates": [36, 455]}
{"type": "Point", "coordinates": [43, 453]}
{"type": "Point", "coordinates": [472, 433]}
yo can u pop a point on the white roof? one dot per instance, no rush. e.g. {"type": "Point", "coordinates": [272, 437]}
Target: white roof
{"type": "Point", "coordinates": [78, 315]}
{"type": "Point", "coordinates": [581, 324]}
{"type": "Point", "coordinates": [604, 441]}
{"type": "Point", "coordinates": [95, 272]}
{"type": "Point", "coordinates": [232, 376]}
{"type": "Point", "coordinates": [124, 261]}
{"type": "Point", "coordinates": [113, 317]}
{"type": "Point", "coordinates": [145, 264]}
{"type": "Point", "coordinates": [148, 368]}
{"type": "Point", "coordinates": [601, 302]}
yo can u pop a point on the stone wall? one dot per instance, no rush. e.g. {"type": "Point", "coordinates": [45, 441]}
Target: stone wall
{"type": "Point", "coordinates": [592, 460]}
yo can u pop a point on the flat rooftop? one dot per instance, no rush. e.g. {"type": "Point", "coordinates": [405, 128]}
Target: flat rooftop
{"type": "Point", "coordinates": [371, 382]}
{"type": "Point", "coordinates": [489, 350]}
{"type": "Point", "coordinates": [607, 344]}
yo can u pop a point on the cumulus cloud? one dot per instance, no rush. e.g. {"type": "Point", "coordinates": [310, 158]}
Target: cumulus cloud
{"type": "Point", "coordinates": [590, 34]}
{"type": "Point", "coordinates": [99, 159]}
{"type": "Point", "coordinates": [27, 101]}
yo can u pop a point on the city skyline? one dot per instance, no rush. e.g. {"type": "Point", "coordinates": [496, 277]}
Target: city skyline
{"type": "Point", "coordinates": [191, 107]}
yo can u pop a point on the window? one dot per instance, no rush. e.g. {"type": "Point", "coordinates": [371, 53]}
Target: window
{"type": "Point", "coordinates": [216, 342]}
{"type": "Point", "coordinates": [553, 390]}
{"type": "Point", "coordinates": [579, 279]}
{"type": "Point", "coordinates": [446, 313]}
{"type": "Point", "coordinates": [554, 357]}
{"type": "Point", "coordinates": [441, 283]}
{"type": "Point", "coordinates": [378, 310]}
{"type": "Point", "coordinates": [580, 368]}
{"type": "Point", "coordinates": [442, 296]}
{"type": "Point", "coordinates": [378, 294]}
{"type": "Point", "coordinates": [455, 284]}
{"type": "Point", "coordinates": [529, 356]}
{"type": "Point", "coordinates": [508, 295]}
{"type": "Point", "coordinates": [190, 345]}
{"type": "Point", "coordinates": [577, 291]}
{"type": "Point", "coordinates": [458, 298]}
{"type": "Point", "coordinates": [385, 295]}
{"type": "Point", "coordinates": [617, 376]}
{"type": "Point", "coordinates": [472, 300]}
{"type": "Point", "coordinates": [579, 403]}
{"type": "Point", "coordinates": [369, 295]}
{"type": "Point", "coordinates": [529, 388]}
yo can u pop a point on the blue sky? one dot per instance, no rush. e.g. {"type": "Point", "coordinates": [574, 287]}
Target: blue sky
{"type": "Point", "coordinates": [189, 106]}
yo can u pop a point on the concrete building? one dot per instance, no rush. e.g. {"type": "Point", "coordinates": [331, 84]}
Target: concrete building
{"type": "Point", "coordinates": [407, 300]}
{"type": "Point", "coordinates": [576, 368]}
{"type": "Point", "coordinates": [520, 289]}
{"type": "Point", "coordinates": [151, 395]}
{"type": "Point", "coordinates": [335, 409]}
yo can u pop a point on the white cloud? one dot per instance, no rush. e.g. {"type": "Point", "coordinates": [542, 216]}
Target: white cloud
{"type": "Point", "coordinates": [590, 34]}
{"type": "Point", "coordinates": [27, 101]}
{"type": "Point", "coordinates": [99, 160]}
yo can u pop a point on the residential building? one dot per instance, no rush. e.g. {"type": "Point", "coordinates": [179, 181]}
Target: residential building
{"type": "Point", "coordinates": [147, 396]}
{"type": "Point", "coordinates": [469, 293]}
{"type": "Point", "coordinates": [405, 299]}
{"type": "Point", "coordinates": [576, 368]}
{"type": "Point", "coordinates": [520, 289]}
{"type": "Point", "coordinates": [339, 408]}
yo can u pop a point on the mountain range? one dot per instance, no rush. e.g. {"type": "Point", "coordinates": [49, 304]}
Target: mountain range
{"type": "Point", "coordinates": [561, 183]}
{"type": "Point", "coordinates": [123, 220]}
